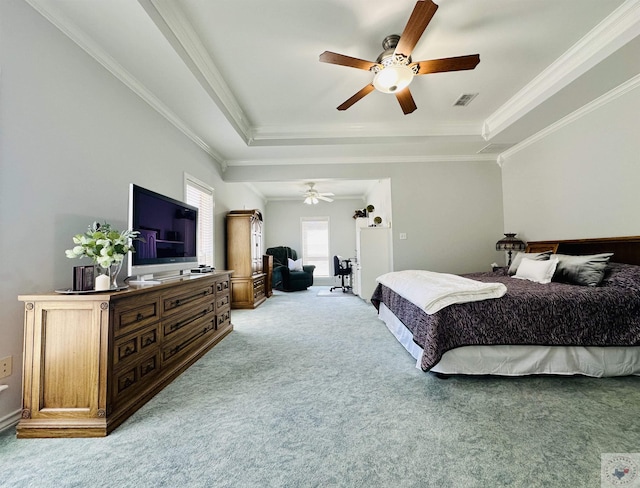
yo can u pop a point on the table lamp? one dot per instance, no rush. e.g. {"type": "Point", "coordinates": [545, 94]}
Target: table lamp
{"type": "Point", "coordinates": [510, 243]}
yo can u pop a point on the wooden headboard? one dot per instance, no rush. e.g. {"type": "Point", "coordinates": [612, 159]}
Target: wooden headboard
{"type": "Point", "coordinates": [624, 249]}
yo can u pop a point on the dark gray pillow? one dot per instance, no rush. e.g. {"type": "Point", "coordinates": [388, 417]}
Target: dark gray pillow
{"type": "Point", "coordinates": [581, 270]}
{"type": "Point", "coordinates": [535, 256]}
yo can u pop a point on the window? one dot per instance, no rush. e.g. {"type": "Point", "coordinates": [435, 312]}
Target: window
{"type": "Point", "coordinates": [315, 243]}
{"type": "Point", "coordinates": [200, 195]}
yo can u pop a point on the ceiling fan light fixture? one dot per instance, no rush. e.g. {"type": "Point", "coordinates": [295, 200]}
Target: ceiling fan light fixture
{"type": "Point", "coordinates": [393, 78]}
{"type": "Point", "coordinates": [311, 200]}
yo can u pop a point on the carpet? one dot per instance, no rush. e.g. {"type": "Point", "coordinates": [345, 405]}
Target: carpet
{"type": "Point", "coordinates": [307, 392]}
{"type": "Point", "coordinates": [335, 293]}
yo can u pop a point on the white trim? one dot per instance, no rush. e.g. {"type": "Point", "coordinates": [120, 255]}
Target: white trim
{"type": "Point", "coordinates": [346, 134]}
{"type": "Point", "coordinates": [88, 45]}
{"type": "Point", "coordinates": [608, 36]}
{"type": "Point", "coordinates": [174, 26]}
{"type": "Point", "coordinates": [608, 97]}
{"type": "Point", "coordinates": [364, 160]}
{"type": "Point", "coordinates": [11, 420]}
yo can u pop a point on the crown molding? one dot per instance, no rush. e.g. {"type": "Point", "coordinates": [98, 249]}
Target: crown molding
{"type": "Point", "coordinates": [88, 45]}
{"type": "Point", "coordinates": [601, 101]}
{"type": "Point", "coordinates": [363, 160]}
{"type": "Point", "coordinates": [354, 134]}
{"type": "Point", "coordinates": [176, 28]}
{"type": "Point", "coordinates": [608, 36]}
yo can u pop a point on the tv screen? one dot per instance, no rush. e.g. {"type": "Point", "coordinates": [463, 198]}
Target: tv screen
{"type": "Point", "coordinates": [168, 233]}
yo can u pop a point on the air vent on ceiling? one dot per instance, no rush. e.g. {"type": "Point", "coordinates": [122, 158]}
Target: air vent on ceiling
{"type": "Point", "coordinates": [495, 148]}
{"type": "Point", "coordinates": [464, 99]}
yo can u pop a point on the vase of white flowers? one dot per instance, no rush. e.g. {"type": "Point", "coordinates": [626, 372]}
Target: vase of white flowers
{"type": "Point", "coordinates": [106, 247]}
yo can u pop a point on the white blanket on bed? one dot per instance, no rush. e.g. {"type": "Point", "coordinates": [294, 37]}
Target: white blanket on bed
{"type": "Point", "coordinates": [433, 291]}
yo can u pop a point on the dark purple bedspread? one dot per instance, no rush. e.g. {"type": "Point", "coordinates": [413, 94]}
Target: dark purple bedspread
{"type": "Point", "coordinates": [529, 313]}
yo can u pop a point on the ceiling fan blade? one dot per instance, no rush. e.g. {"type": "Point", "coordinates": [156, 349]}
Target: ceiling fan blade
{"type": "Point", "coordinates": [342, 60]}
{"type": "Point", "coordinates": [406, 101]}
{"type": "Point", "coordinates": [457, 63]}
{"type": "Point", "coordinates": [361, 94]}
{"type": "Point", "coordinates": [326, 194]}
{"type": "Point", "coordinates": [320, 197]}
{"type": "Point", "coordinates": [422, 14]}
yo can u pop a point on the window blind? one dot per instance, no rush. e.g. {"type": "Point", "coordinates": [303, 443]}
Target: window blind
{"type": "Point", "coordinates": [315, 243]}
{"type": "Point", "coordinates": [201, 195]}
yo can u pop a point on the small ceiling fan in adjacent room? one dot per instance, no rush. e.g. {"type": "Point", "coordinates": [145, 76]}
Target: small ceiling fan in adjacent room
{"type": "Point", "coordinates": [313, 196]}
{"type": "Point", "coordinates": [394, 69]}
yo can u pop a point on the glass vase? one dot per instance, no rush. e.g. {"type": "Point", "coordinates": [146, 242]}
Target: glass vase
{"type": "Point", "coordinates": [114, 269]}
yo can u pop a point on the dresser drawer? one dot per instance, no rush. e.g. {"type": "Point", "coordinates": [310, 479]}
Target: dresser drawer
{"type": "Point", "coordinates": [258, 288]}
{"type": "Point", "coordinates": [131, 347]}
{"type": "Point", "coordinates": [223, 319]}
{"type": "Point", "coordinates": [181, 321]}
{"type": "Point", "coordinates": [190, 336]}
{"type": "Point", "coordinates": [134, 374]}
{"type": "Point", "coordinates": [222, 286]}
{"type": "Point", "coordinates": [222, 301]}
{"type": "Point", "coordinates": [175, 303]}
{"type": "Point", "coordinates": [133, 313]}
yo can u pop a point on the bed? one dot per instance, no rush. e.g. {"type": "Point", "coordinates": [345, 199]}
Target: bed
{"type": "Point", "coordinates": [554, 328]}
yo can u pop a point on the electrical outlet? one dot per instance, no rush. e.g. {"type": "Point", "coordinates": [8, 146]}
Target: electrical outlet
{"type": "Point", "coordinates": [5, 367]}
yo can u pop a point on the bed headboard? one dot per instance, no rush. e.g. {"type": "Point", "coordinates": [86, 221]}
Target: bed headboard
{"type": "Point", "coordinates": [624, 249]}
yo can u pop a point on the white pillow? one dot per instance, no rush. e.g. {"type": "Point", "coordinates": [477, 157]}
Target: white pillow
{"type": "Point", "coordinates": [538, 271]}
{"type": "Point", "coordinates": [294, 265]}
{"type": "Point", "coordinates": [536, 256]}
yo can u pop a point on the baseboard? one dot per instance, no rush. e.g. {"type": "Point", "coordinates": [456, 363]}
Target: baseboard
{"type": "Point", "coordinates": [10, 420]}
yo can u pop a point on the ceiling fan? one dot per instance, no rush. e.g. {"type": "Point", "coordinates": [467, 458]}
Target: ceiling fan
{"type": "Point", "coordinates": [313, 196]}
{"type": "Point", "coordinates": [394, 70]}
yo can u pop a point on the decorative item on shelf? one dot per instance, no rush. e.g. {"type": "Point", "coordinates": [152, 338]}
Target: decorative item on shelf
{"type": "Point", "coordinates": [359, 214]}
{"type": "Point", "coordinates": [510, 243]}
{"type": "Point", "coordinates": [106, 247]}
{"type": "Point", "coordinates": [370, 208]}
{"type": "Point", "coordinates": [377, 221]}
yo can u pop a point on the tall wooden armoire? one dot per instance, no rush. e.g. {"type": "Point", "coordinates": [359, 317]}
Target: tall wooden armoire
{"type": "Point", "coordinates": [244, 257]}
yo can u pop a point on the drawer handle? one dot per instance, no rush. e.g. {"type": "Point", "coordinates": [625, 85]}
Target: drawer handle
{"type": "Point", "coordinates": [178, 302]}
{"type": "Point", "coordinates": [128, 351]}
{"type": "Point", "coordinates": [148, 369]}
{"type": "Point", "coordinates": [128, 382]}
{"type": "Point", "coordinates": [149, 340]}
{"type": "Point", "coordinates": [139, 316]}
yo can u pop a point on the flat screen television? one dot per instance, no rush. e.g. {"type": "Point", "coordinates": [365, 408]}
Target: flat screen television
{"type": "Point", "coordinates": [168, 231]}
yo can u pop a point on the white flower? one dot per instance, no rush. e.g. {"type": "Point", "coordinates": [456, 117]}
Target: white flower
{"type": "Point", "coordinates": [104, 245]}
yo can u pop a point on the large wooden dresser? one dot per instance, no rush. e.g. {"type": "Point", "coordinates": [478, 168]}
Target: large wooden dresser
{"type": "Point", "coordinates": [92, 360]}
{"type": "Point", "coordinates": [244, 257]}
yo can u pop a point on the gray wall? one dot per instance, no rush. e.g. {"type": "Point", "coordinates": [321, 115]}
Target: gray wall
{"type": "Point", "coordinates": [581, 180]}
{"type": "Point", "coordinates": [450, 211]}
{"type": "Point", "coordinates": [73, 138]}
{"type": "Point", "coordinates": [282, 227]}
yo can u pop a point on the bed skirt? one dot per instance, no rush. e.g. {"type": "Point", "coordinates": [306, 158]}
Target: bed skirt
{"type": "Point", "coordinates": [522, 360]}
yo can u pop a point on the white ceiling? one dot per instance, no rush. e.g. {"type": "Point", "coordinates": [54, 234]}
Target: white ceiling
{"type": "Point", "coordinates": [243, 80]}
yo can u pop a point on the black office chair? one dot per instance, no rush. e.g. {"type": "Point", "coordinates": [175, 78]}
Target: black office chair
{"type": "Point", "coordinates": [342, 268]}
